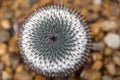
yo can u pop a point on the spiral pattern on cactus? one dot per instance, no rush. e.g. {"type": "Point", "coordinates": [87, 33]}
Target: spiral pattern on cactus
{"type": "Point", "coordinates": [54, 41]}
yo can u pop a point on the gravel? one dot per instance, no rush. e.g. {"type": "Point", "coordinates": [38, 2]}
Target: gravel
{"type": "Point", "coordinates": [103, 20]}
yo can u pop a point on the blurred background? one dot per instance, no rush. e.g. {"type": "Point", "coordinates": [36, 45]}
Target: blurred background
{"type": "Point", "coordinates": [103, 18]}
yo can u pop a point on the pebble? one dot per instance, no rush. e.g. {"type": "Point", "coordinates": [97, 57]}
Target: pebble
{"type": "Point", "coordinates": [100, 36]}
{"type": "Point", "coordinates": [115, 9]}
{"type": "Point", "coordinates": [111, 68]}
{"type": "Point", "coordinates": [97, 56]}
{"type": "Point", "coordinates": [92, 18]}
{"type": "Point", "coordinates": [9, 14]}
{"type": "Point", "coordinates": [109, 25]}
{"type": "Point", "coordinates": [117, 78]}
{"type": "Point", "coordinates": [16, 27]}
{"type": "Point", "coordinates": [6, 24]}
{"type": "Point", "coordinates": [97, 2]}
{"type": "Point", "coordinates": [108, 51]}
{"type": "Point", "coordinates": [13, 44]}
{"type": "Point", "coordinates": [118, 70]}
{"type": "Point", "coordinates": [39, 77]}
{"type": "Point", "coordinates": [6, 75]}
{"type": "Point", "coordinates": [84, 11]}
{"type": "Point", "coordinates": [18, 13]}
{"type": "Point", "coordinates": [97, 65]}
{"type": "Point", "coordinates": [23, 76]}
{"type": "Point", "coordinates": [96, 7]}
{"type": "Point", "coordinates": [4, 35]}
{"type": "Point", "coordinates": [19, 68]}
{"type": "Point", "coordinates": [3, 49]}
{"type": "Point", "coordinates": [1, 67]}
{"type": "Point", "coordinates": [96, 32]}
{"type": "Point", "coordinates": [116, 58]}
{"type": "Point", "coordinates": [112, 40]}
{"type": "Point", "coordinates": [14, 60]}
{"type": "Point", "coordinates": [9, 70]}
{"type": "Point", "coordinates": [90, 75]}
{"type": "Point", "coordinates": [0, 27]}
{"type": "Point", "coordinates": [107, 77]}
{"type": "Point", "coordinates": [97, 46]}
{"type": "Point", "coordinates": [72, 77]}
{"type": "Point", "coordinates": [6, 59]}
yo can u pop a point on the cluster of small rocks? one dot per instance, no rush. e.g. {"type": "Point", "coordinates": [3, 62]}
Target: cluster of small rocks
{"type": "Point", "coordinates": [103, 19]}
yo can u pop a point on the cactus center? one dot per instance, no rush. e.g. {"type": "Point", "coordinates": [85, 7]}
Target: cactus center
{"type": "Point", "coordinates": [53, 38]}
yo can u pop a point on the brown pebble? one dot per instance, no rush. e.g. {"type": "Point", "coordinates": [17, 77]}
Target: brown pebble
{"type": "Point", "coordinates": [92, 17]}
{"type": "Point", "coordinates": [19, 68]}
{"type": "Point", "coordinates": [1, 67]}
{"type": "Point", "coordinates": [4, 35]}
{"type": "Point", "coordinates": [14, 59]}
{"type": "Point", "coordinates": [6, 24]}
{"type": "Point", "coordinates": [40, 77]}
{"type": "Point", "coordinates": [23, 76]}
{"type": "Point", "coordinates": [117, 78]}
{"type": "Point", "coordinates": [13, 44]}
{"type": "Point", "coordinates": [90, 75]}
{"type": "Point", "coordinates": [108, 51]}
{"type": "Point", "coordinates": [9, 70]}
{"type": "Point", "coordinates": [18, 13]}
{"type": "Point", "coordinates": [116, 58]}
{"type": "Point", "coordinates": [111, 68]}
{"type": "Point", "coordinates": [118, 70]}
{"type": "Point", "coordinates": [9, 14]}
{"type": "Point", "coordinates": [72, 77]}
{"type": "Point", "coordinates": [100, 36]}
{"type": "Point", "coordinates": [3, 49]}
{"type": "Point", "coordinates": [97, 56]}
{"type": "Point", "coordinates": [96, 32]}
{"type": "Point", "coordinates": [107, 77]}
{"type": "Point", "coordinates": [96, 8]}
{"type": "Point", "coordinates": [6, 59]}
{"type": "Point", "coordinates": [84, 11]}
{"type": "Point", "coordinates": [97, 65]}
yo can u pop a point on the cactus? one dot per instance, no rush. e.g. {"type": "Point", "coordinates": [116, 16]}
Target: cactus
{"type": "Point", "coordinates": [54, 41]}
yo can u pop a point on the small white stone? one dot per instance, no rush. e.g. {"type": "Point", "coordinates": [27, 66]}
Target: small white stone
{"type": "Point", "coordinates": [97, 2]}
{"type": "Point", "coordinates": [16, 27]}
{"type": "Point", "coordinates": [6, 75]}
{"type": "Point", "coordinates": [112, 40]}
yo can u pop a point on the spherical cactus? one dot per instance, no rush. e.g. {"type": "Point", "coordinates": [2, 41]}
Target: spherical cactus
{"type": "Point", "coordinates": [54, 41]}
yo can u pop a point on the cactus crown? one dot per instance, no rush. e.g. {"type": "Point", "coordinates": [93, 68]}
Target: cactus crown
{"type": "Point", "coordinates": [54, 41]}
